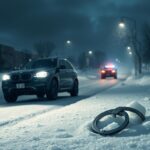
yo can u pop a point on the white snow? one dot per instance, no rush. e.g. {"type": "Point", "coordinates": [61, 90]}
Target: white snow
{"type": "Point", "coordinates": [109, 122]}
{"type": "Point", "coordinates": [66, 122]}
{"type": "Point", "coordinates": [111, 126]}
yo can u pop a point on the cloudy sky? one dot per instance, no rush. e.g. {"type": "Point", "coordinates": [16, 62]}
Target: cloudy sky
{"type": "Point", "coordinates": [89, 24]}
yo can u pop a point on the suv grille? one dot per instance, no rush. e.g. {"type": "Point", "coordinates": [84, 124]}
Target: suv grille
{"type": "Point", "coordinates": [15, 77]}
{"type": "Point", "coordinates": [25, 76]}
{"type": "Point", "coordinates": [21, 77]}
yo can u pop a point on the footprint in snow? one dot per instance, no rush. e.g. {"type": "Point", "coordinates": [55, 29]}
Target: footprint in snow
{"type": "Point", "coordinates": [54, 148]}
{"type": "Point", "coordinates": [64, 135]}
{"type": "Point", "coordinates": [36, 139]}
{"type": "Point", "coordinates": [60, 130]}
{"type": "Point", "coordinates": [132, 145]}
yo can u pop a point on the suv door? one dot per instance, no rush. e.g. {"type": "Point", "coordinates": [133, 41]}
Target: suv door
{"type": "Point", "coordinates": [70, 74]}
{"type": "Point", "coordinates": [62, 74]}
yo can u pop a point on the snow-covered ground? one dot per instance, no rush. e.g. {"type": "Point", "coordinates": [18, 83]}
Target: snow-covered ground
{"type": "Point", "coordinates": [65, 124]}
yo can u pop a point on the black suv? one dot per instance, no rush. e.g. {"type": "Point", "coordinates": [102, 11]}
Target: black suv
{"type": "Point", "coordinates": [44, 76]}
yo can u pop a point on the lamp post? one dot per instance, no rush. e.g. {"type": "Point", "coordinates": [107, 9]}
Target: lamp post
{"type": "Point", "coordinates": [121, 25]}
{"type": "Point", "coordinates": [89, 58]}
{"type": "Point", "coordinates": [68, 48]}
{"type": "Point", "coordinates": [128, 48]}
{"type": "Point", "coordinates": [90, 52]}
{"type": "Point", "coordinates": [130, 53]}
{"type": "Point", "coordinates": [133, 39]}
{"type": "Point", "coordinates": [68, 42]}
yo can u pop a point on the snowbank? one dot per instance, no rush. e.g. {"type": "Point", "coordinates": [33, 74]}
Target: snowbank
{"type": "Point", "coordinates": [143, 80]}
{"type": "Point", "coordinates": [69, 127]}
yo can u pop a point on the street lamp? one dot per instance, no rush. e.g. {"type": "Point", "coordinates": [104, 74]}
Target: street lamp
{"type": "Point", "coordinates": [128, 48]}
{"type": "Point", "coordinates": [121, 25]}
{"type": "Point", "coordinates": [68, 42]}
{"type": "Point", "coordinates": [130, 53]}
{"type": "Point", "coordinates": [68, 48]}
{"type": "Point", "coordinates": [90, 52]}
{"type": "Point", "coordinates": [89, 58]}
{"type": "Point", "coordinates": [133, 40]}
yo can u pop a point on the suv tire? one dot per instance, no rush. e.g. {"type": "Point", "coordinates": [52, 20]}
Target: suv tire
{"type": "Point", "coordinates": [52, 89]}
{"type": "Point", "coordinates": [75, 89]}
{"type": "Point", "coordinates": [10, 98]}
{"type": "Point", "coordinates": [40, 95]}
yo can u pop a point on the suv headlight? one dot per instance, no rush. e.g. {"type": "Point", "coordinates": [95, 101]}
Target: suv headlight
{"type": "Point", "coordinates": [5, 77]}
{"type": "Point", "coordinates": [41, 74]}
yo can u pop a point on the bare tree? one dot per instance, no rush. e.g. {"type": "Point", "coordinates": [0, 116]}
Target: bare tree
{"type": "Point", "coordinates": [2, 62]}
{"type": "Point", "coordinates": [100, 57]}
{"type": "Point", "coordinates": [82, 61]}
{"type": "Point", "coordinates": [44, 48]}
{"type": "Point", "coordinates": [146, 43]}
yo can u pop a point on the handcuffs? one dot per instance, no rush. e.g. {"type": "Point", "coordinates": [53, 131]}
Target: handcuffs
{"type": "Point", "coordinates": [120, 111]}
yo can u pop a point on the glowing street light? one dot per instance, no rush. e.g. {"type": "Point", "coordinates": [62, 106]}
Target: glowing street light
{"type": "Point", "coordinates": [68, 42]}
{"type": "Point", "coordinates": [121, 24]}
{"type": "Point", "coordinates": [130, 53]}
{"type": "Point", "coordinates": [128, 48]}
{"type": "Point", "coordinates": [68, 46]}
{"type": "Point", "coordinates": [89, 58]}
{"type": "Point", "coordinates": [90, 52]}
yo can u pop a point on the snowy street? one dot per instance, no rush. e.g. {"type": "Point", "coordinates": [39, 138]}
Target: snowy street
{"type": "Point", "coordinates": [29, 106]}
{"type": "Point", "coordinates": [65, 123]}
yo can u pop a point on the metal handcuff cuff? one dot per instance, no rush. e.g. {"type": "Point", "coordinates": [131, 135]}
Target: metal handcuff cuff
{"type": "Point", "coordinates": [120, 111]}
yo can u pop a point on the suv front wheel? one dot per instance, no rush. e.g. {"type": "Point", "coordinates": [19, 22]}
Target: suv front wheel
{"type": "Point", "coordinates": [52, 89]}
{"type": "Point", "coordinates": [10, 98]}
{"type": "Point", "coordinates": [75, 89]}
{"type": "Point", "coordinates": [40, 95]}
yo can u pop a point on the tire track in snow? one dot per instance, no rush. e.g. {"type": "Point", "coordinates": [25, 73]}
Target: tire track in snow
{"type": "Point", "coordinates": [26, 117]}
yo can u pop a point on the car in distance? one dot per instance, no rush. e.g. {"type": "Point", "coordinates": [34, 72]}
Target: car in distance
{"type": "Point", "coordinates": [41, 77]}
{"type": "Point", "coordinates": [108, 71]}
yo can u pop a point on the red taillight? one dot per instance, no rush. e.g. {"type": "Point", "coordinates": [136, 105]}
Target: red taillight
{"type": "Point", "coordinates": [103, 71]}
{"type": "Point", "coordinates": [113, 71]}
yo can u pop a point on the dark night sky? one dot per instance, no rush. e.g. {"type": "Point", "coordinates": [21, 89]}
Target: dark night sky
{"type": "Point", "coordinates": [89, 24]}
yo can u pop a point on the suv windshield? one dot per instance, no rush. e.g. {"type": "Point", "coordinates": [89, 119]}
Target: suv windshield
{"type": "Point", "coordinates": [45, 63]}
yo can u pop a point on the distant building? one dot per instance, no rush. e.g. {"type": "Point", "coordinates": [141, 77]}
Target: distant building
{"type": "Point", "coordinates": [11, 58]}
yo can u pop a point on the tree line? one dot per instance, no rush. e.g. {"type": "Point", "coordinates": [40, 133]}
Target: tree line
{"type": "Point", "coordinates": [146, 45]}
{"type": "Point", "coordinates": [43, 49]}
